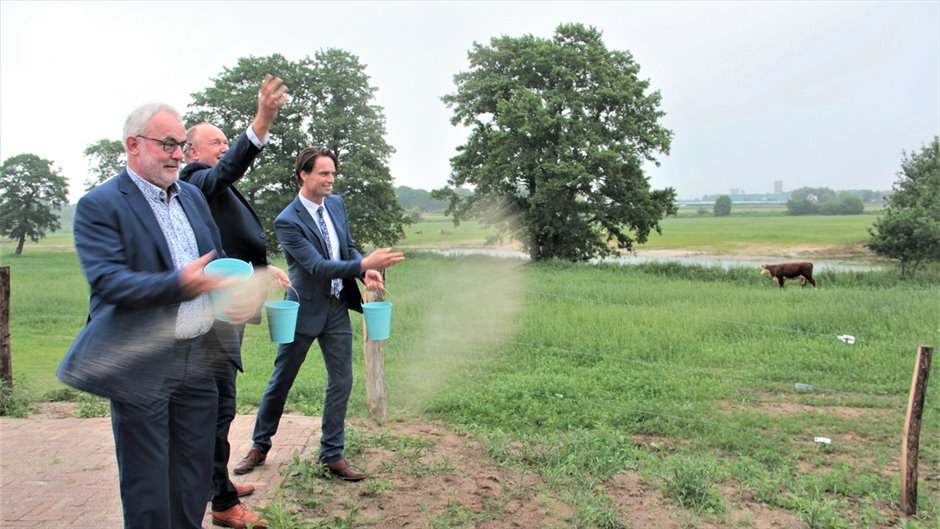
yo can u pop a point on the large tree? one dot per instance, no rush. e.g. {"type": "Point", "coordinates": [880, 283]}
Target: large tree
{"type": "Point", "coordinates": [331, 104]}
{"type": "Point", "coordinates": [560, 131]}
{"type": "Point", "coordinates": [909, 231]}
{"type": "Point", "coordinates": [106, 158]}
{"type": "Point", "coordinates": [31, 191]}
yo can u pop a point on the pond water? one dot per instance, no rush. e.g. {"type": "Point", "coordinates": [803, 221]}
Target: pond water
{"type": "Point", "coordinates": [724, 262]}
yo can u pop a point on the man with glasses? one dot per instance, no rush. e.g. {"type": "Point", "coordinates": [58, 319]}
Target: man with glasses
{"type": "Point", "coordinates": [214, 168]}
{"type": "Point", "coordinates": [143, 239]}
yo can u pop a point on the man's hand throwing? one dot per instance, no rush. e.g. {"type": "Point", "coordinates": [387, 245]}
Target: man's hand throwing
{"type": "Point", "coordinates": [271, 97]}
{"type": "Point", "coordinates": [194, 281]}
{"type": "Point", "coordinates": [381, 259]}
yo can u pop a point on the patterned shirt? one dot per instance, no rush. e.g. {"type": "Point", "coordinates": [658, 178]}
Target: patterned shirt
{"type": "Point", "coordinates": [195, 316]}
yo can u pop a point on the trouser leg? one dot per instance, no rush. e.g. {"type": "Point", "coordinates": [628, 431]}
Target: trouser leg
{"type": "Point", "coordinates": [336, 345]}
{"type": "Point", "coordinates": [290, 357]}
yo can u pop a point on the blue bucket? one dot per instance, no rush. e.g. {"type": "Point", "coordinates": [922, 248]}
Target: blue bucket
{"type": "Point", "coordinates": [378, 315]}
{"type": "Point", "coordinates": [227, 268]}
{"type": "Point", "coordinates": [282, 320]}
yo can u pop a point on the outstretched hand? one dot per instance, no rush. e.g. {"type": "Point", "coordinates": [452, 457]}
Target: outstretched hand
{"type": "Point", "coordinates": [381, 259]}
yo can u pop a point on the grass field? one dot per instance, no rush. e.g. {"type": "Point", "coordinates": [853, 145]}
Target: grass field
{"type": "Point", "coordinates": [685, 376]}
{"type": "Point", "coordinates": [750, 229]}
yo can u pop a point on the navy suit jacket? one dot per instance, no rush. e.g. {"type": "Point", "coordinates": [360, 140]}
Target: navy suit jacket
{"type": "Point", "coordinates": [127, 347]}
{"type": "Point", "coordinates": [242, 234]}
{"type": "Point", "coordinates": [308, 264]}
{"type": "Point", "coordinates": [241, 229]}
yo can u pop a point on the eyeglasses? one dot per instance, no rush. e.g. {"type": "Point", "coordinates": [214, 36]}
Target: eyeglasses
{"type": "Point", "coordinates": [169, 145]}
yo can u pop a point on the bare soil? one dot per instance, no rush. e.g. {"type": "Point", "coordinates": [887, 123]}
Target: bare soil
{"type": "Point", "coordinates": [451, 482]}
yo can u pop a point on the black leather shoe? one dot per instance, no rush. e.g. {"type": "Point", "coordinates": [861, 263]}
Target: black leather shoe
{"type": "Point", "coordinates": [342, 470]}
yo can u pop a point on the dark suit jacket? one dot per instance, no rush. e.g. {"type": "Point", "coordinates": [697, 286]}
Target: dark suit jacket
{"type": "Point", "coordinates": [308, 262]}
{"type": "Point", "coordinates": [126, 349]}
{"type": "Point", "coordinates": [241, 229]}
{"type": "Point", "coordinates": [242, 234]}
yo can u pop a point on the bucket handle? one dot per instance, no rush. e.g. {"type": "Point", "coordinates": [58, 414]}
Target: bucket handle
{"type": "Point", "coordinates": [295, 293]}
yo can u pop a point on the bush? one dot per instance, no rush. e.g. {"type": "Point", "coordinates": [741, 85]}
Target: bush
{"type": "Point", "coordinates": [12, 402]}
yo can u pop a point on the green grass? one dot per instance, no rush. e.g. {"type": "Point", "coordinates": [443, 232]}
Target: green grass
{"type": "Point", "coordinates": [736, 232]}
{"type": "Point", "coordinates": [560, 368]}
{"type": "Point", "coordinates": [763, 229]}
{"type": "Point", "coordinates": [428, 231]}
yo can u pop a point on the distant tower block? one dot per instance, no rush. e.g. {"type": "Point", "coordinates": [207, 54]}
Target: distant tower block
{"type": "Point", "coordinates": [778, 186]}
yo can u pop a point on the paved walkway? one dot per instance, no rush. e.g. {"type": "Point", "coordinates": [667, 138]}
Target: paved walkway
{"type": "Point", "coordinates": [57, 473]}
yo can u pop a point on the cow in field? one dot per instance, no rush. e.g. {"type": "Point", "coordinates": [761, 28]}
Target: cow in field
{"type": "Point", "coordinates": [784, 271]}
{"type": "Point", "coordinates": [445, 232]}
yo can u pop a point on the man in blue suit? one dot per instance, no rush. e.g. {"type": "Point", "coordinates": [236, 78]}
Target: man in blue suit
{"type": "Point", "coordinates": [323, 263]}
{"type": "Point", "coordinates": [214, 168]}
{"type": "Point", "coordinates": [143, 239]}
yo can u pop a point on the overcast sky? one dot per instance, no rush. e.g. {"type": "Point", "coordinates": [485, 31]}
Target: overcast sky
{"type": "Point", "coordinates": [808, 93]}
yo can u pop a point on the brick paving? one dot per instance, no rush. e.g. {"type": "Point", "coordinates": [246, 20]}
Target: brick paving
{"type": "Point", "coordinates": [57, 473]}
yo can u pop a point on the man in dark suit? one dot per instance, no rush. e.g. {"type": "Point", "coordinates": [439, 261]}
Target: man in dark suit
{"type": "Point", "coordinates": [323, 263]}
{"type": "Point", "coordinates": [214, 168]}
{"type": "Point", "coordinates": [143, 239]}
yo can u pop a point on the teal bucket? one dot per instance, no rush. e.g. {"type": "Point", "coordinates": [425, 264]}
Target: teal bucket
{"type": "Point", "coordinates": [378, 316]}
{"type": "Point", "coordinates": [282, 320]}
{"type": "Point", "coordinates": [227, 268]}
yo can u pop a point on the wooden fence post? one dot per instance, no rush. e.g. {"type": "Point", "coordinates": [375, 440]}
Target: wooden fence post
{"type": "Point", "coordinates": [915, 408]}
{"type": "Point", "coordinates": [6, 362]}
{"type": "Point", "coordinates": [374, 352]}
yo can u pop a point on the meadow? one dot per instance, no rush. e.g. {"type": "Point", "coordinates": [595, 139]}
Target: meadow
{"type": "Point", "coordinates": [750, 229]}
{"type": "Point", "coordinates": [708, 385]}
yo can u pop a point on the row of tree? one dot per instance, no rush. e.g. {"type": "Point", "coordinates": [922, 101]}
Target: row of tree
{"type": "Point", "coordinates": [560, 130]}
{"type": "Point", "coordinates": [824, 201]}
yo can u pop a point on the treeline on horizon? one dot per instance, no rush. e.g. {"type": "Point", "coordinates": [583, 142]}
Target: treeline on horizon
{"type": "Point", "coordinates": [417, 201]}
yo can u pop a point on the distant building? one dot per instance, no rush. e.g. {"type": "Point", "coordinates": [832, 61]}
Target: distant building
{"type": "Point", "coordinates": [778, 187]}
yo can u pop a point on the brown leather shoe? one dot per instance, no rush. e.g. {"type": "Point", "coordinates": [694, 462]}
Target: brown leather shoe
{"type": "Point", "coordinates": [244, 490]}
{"type": "Point", "coordinates": [241, 490]}
{"type": "Point", "coordinates": [342, 470]}
{"type": "Point", "coordinates": [248, 463]}
{"type": "Point", "coordinates": [238, 517]}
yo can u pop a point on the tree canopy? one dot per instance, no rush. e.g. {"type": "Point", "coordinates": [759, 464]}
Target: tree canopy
{"type": "Point", "coordinates": [331, 104]}
{"type": "Point", "coordinates": [823, 201]}
{"type": "Point", "coordinates": [106, 158]}
{"type": "Point", "coordinates": [560, 131]}
{"type": "Point", "coordinates": [722, 206]}
{"type": "Point", "coordinates": [909, 231]}
{"type": "Point", "coordinates": [30, 193]}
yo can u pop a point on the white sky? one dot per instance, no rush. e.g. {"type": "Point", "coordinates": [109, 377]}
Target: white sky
{"type": "Point", "coordinates": [809, 93]}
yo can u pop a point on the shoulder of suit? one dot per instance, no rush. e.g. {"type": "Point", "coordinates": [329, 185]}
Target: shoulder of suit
{"type": "Point", "coordinates": [188, 189]}
{"type": "Point", "coordinates": [110, 185]}
{"type": "Point", "coordinates": [191, 168]}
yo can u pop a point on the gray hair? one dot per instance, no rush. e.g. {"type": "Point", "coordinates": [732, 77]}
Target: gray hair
{"type": "Point", "coordinates": [138, 119]}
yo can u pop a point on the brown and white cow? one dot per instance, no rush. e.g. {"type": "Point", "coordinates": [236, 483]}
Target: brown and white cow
{"type": "Point", "coordinates": [784, 271]}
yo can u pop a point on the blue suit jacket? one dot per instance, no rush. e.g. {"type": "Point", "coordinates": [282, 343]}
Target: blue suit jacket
{"type": "Point", "coordinates": [308, 262]}
{"type": "Point", "coordinates": [126, 349]}
{"type": "Point", "coordinates": [239, 225]}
